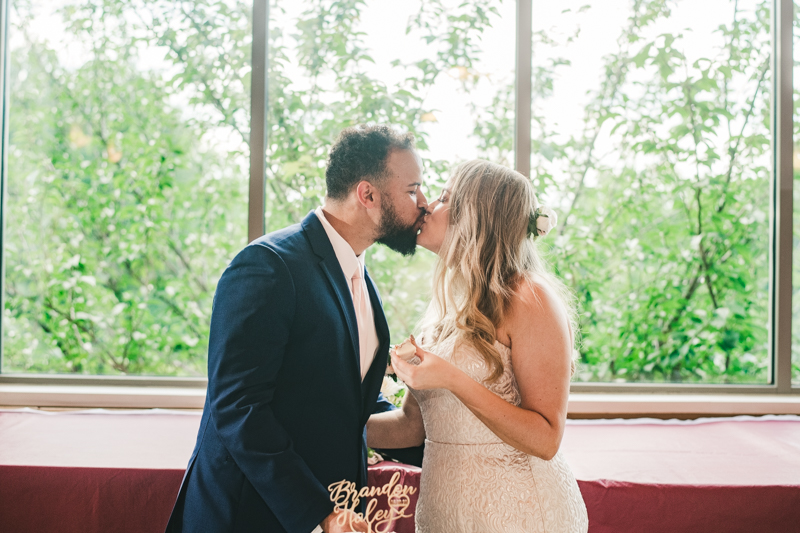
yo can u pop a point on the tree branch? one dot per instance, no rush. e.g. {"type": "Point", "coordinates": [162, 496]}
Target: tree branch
{"type": "Point", "coordinates": [733, 151]}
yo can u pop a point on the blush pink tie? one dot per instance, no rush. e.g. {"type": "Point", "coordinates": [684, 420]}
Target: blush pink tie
{"type": "Point", "coordinates": [363, 316]}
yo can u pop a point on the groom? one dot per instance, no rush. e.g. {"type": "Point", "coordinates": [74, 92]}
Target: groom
{"type": "Point", "coordinates": [298, 350]}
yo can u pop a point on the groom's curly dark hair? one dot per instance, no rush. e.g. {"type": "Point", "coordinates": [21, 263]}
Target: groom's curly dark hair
{"type": "Point", "coordinates": [360, 153]}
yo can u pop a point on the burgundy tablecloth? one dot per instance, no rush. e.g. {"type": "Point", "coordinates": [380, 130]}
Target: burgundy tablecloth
{"type": "Point", "coordinates": [713, 475]}
{"type": "Point", "coordinates": [106, 471]}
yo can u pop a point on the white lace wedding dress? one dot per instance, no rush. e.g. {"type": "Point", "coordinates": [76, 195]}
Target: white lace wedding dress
{"type": "Point", "coordinates": [472, 482]}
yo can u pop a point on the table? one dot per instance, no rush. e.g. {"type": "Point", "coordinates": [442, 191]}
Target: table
{"type": "Point", "coordinates": [111, 471]}
{"type": "Point", "coordinates": [738, 474]}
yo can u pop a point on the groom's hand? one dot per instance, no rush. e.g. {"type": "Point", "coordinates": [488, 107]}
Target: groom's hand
{"type": "Point", "coordinates": [343, 521]}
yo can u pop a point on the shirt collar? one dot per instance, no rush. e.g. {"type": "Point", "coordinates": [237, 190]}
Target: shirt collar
{"type": "Point", "coordinates": [348, 259]}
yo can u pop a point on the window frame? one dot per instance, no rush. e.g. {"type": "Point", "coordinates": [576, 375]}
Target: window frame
{"type": "Point", "coordinates": [781, 210]}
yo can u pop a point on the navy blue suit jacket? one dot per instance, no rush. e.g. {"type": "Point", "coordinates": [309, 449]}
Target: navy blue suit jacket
{"type": "Point", "coordinates": [286, 409]}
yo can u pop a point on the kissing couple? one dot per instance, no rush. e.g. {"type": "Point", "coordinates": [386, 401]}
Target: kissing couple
{"type": "Point", "coordinates": [299, 345]}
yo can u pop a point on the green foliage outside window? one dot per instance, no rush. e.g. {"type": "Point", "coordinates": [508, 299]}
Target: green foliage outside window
{"type": "Point", "coordinates": [127, 189]}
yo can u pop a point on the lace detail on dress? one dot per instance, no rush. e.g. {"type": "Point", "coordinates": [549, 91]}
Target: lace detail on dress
{"type": "Point", "coordinates": [473, 482]}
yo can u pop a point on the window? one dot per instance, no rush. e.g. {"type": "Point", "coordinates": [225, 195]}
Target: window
{"type": "Point", "coordinates": [651, 133]}
{"type": "Point", "coordinates": [652, 137]}
{"type": "Point", "coordinates": [127, 156]}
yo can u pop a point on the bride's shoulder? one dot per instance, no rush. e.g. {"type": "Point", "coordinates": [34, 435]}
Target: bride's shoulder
{"type": "Point", "coordinates": [534, 299]}
{"type": "Point", "coordinates": [537, 323]}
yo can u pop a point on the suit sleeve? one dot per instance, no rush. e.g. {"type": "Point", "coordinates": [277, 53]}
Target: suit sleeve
{"type": "Point", "coordinates": [253, 312]}
{"type": "Point", "coordinates": [383, 405]}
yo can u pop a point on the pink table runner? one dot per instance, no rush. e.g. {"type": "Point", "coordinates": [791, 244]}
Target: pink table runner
{"type": "Point", "coordinates": [109, 471]}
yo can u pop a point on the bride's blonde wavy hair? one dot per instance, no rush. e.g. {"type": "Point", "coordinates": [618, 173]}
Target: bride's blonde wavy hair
{"type": "Point", "coordinates": [487, 252]}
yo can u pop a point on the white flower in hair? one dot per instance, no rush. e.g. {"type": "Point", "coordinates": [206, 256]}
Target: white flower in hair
{"type": "Point", "coordinates": [546, 220]}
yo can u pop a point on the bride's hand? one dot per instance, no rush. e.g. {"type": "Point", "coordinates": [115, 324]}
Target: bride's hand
{"type": "Point", "coordinates": [432, 372]}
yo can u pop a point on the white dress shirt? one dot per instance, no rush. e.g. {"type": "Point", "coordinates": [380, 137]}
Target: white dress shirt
{"type": "Point", "coordinates": [352, 264]}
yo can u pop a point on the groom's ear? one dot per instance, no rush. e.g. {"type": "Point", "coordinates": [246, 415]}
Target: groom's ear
{"type": "Point", "coordinates": [367, 194]}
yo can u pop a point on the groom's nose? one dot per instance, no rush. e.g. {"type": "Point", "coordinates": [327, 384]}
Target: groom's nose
{"type": "Point", "coordinates": [430, 207]}
{"type": "Point", "coordinates": [422, 202]}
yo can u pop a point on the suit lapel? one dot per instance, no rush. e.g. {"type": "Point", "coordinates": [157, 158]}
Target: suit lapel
{"type": "Point", "coordinates": [333, 271]}
{"type": "Point", "coordinates": [374, 378]}
{"type": "Point", "coordinates": [336, 277]}
{"type": "Point", "coordinates": [381, 326]}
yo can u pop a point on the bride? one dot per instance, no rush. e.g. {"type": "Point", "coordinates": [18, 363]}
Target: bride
{"type": "Point", "coordinates": [489, 393]}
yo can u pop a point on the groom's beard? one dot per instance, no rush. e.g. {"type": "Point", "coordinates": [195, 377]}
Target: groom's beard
{"type": "Point", "coordinates": [394, 234]}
